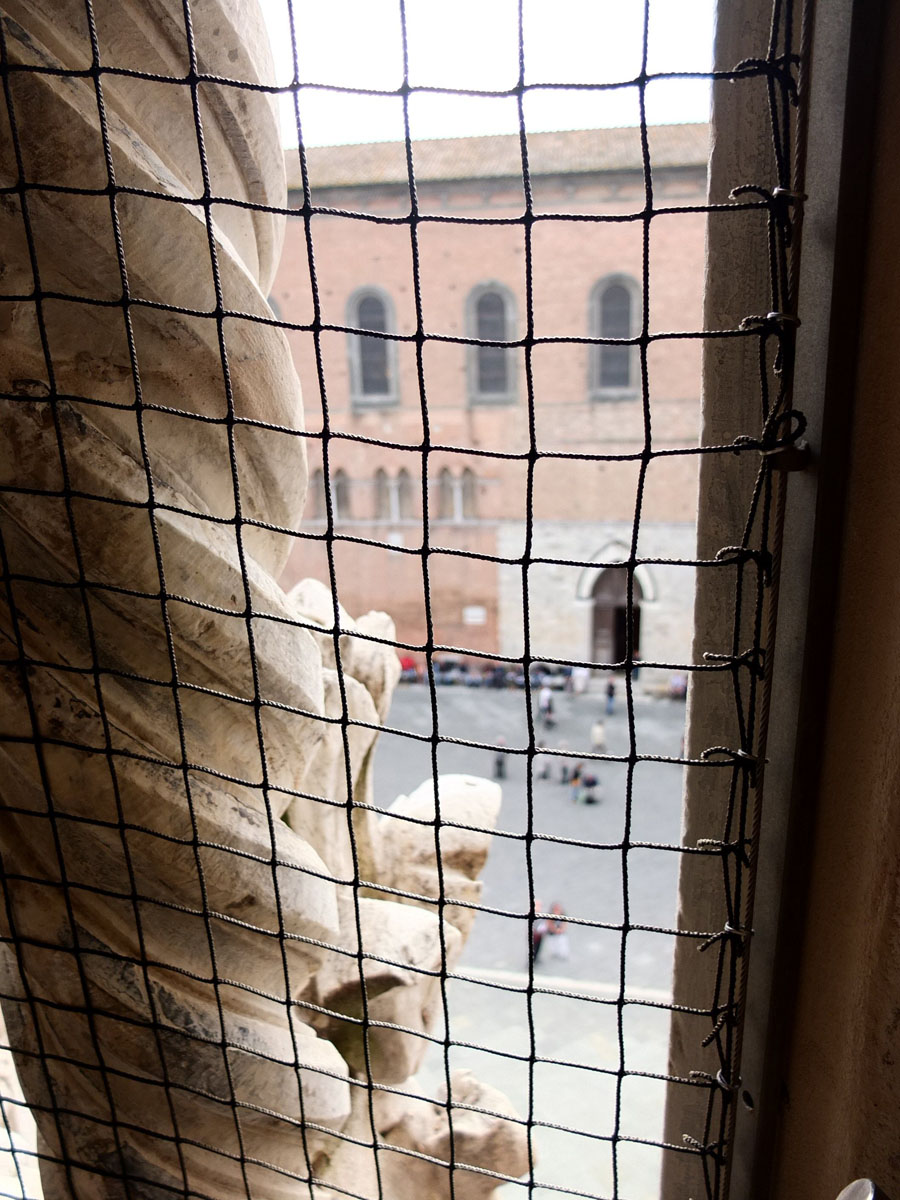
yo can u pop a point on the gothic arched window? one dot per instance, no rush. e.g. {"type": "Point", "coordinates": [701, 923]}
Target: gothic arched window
{"type": "Point", "coordinates": [373, 360]}
{"type": "Point", "coordinates": [405, 497]}
{"type": "Point", "coordinates": [457, 496]}
{"type": "Point", "coordinates": [340, 496]}
{"type": "Point", "coordinates": [490, 317]}
{"type": "Point", "coordinates": [315, 496]}
{"type": "Point", "coordinates": [382, 496]}
{"type": "Point", "coordinates": [615, 313]}
{"type": "Point", "coordinates": [446, 496]}
{"type": "Point", "coordinates": [469, 490]}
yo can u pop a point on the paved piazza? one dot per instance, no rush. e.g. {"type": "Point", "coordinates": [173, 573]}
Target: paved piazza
{"type": "Point", "coordinates": [490, 1012]}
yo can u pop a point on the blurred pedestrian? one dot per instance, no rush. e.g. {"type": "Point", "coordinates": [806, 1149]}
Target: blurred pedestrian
{"type": "Point", "coordinates": [538, 932]}
{"type": "Point", "coordinates": [541, 763]}
{"type": "Point", "coordinates": [590, 788]}
{"type": "Point", "coordinates": [500, 759]}
{"type": "Point", "coordinates": [575, 780]}
{"type": "Point", "coordinates": [556, 929]}
{"type": "Point", "coordinates": [545, 706]}
{"type": "Point", "coordinates": [610, 696]}
{"type": "Point", "coordinates": [565, 765]}
{"type": "Point", "coordinates": [581, 677]}
{"type": "Point", "coordinates": [598, 737]}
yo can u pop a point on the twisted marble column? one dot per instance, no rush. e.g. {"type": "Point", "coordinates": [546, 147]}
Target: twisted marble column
{"type": "Point", "coordinates": [197, 992]}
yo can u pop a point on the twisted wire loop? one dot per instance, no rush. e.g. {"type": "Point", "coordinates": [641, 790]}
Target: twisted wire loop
{"type": "Point", "coordinates": [196, 1000]}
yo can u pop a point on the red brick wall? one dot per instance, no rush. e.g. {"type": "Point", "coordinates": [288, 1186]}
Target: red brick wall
{"type": "Point", "coordinates": [568, 258]}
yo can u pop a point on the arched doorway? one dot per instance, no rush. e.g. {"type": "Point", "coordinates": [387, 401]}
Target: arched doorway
{"type": "Point", "coordinates": [609, 596]}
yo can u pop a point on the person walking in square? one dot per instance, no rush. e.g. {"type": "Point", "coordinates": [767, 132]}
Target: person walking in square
{"type": "Point", "coordinates": [500, 759]}
{"type": "Point", "coordinates": [591, 791]}
{"type": "Point", "coordinates": [538, 932]}
{"type": "Point", "coordinates": [556, 930]}
{"type": "Point", "coordinates": [541, 762]}
{"type": "Point", "coordinates": [575, 780]}
{"type": "Point", "coordinates": [545, 706]}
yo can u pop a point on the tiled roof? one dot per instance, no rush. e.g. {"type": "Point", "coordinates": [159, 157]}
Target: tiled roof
{"type": "Point", "coordinates": [499, 156]}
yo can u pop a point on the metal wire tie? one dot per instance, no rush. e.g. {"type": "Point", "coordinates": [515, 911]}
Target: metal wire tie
{"type": "Point", "coordinates": [779, 320]}
{"type": "Point", "coordinates": [713, 1149]}
{"type": "Point", "coordinates": [738, 932]}
{"type": "Point", "coordinates": [789, 197]}
{"type": "Point", "coordinates": [725, 1085]}
{"type": "Point", "coordinates": [730, 752]}
{"type": "Point", "coordinates": [739, 847]}
{"type": "Point", "coordinates": [796, 456]}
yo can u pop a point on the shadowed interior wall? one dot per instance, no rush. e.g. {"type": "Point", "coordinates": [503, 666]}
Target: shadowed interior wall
{"type": "Point", "coordinates": [841, 1083]}
{"type": "Point", "coordinates": [736, 284]}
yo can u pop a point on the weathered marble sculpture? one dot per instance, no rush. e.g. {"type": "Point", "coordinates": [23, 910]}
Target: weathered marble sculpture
{"type": "Point", "coordinates": [196, 993]}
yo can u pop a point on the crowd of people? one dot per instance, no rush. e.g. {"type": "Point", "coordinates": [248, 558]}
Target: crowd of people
{"type": "Point", "coordinates": [579, 776]}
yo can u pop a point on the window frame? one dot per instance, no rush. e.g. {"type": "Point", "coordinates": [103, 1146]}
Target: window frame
{"type": "Point", "coordinates": [596, 390]}
{"type": "Point", "coordinates": [358, 398]}
{"type": "Point", "coordinates": [478, 398]}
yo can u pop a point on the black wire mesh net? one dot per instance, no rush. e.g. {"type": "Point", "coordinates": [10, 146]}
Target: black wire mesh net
{"type": "Point", "coordinates": [231, 963]}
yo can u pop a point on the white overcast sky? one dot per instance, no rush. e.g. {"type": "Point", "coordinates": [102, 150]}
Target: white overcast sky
{"type": "Point", "coordinates": [473, 44]}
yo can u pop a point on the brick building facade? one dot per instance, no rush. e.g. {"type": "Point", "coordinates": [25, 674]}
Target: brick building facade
{"type": "Point", "coordinates": [586, 398]}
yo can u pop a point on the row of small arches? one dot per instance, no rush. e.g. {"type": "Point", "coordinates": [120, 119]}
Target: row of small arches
{"type": "Point", "coordinates": [394, 498]}
{"type": "Point", "coordinates": [613, 312]}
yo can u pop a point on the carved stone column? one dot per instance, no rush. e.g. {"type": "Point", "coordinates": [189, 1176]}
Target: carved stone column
{"type": "Point", "coordinates": [190, 972]}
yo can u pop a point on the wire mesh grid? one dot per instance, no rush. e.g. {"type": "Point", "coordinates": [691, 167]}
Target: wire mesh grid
{"type": "Point", "coordinates": [172, 946]}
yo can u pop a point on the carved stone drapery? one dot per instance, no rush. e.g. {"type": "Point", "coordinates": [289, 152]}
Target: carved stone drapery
{"type": "Point", "coordinates": [185, 942]}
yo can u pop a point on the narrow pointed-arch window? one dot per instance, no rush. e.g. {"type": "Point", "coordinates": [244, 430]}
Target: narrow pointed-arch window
{"type": "Point", "coordinates": [373, 362]}
{"type": "Point", "coordinates": [615, 309]}
{"type": "Point", "coordinates": [445, 497]}
{"type": "Point", "coordinates": [340, 496]}
{"type": "Point", "coordinates": [457, 496]}
{"type": "Point", "coordinates": [493, 365]}
{"type": "Point", "coordinates": [405, 497]}
{"type": "Point", "coordinates": [490, 317]}
{"type": "Point", "coordinates": [382, 495]}
{"type": "Point", "coordinates": [373, 352]}
{"type": "Point", "coordinates": [315, 497]}
{"type": "Point", "coordinates": [469, 490]}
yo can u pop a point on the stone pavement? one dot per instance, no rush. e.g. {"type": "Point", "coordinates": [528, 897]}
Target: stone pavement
{"type": "Point", "coordinates": [490, 1011]}
{"type": "Point", "coordinates": [574, 1031]}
